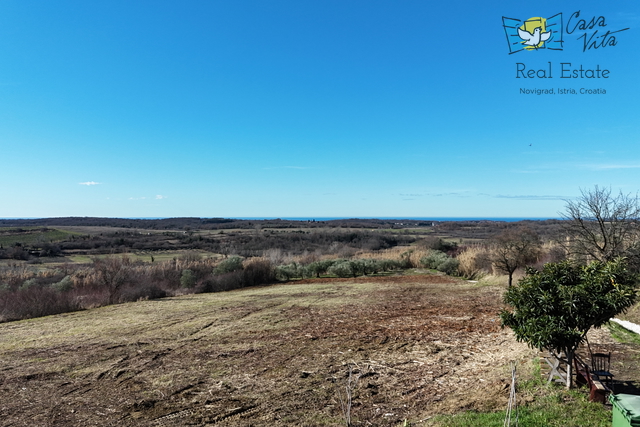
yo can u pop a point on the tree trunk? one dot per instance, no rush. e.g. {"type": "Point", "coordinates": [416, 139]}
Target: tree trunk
{"type": "Point", "coordinates": [569, 354]}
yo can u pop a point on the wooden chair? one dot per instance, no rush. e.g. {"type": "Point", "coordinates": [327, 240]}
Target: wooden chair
{"type": "Point", "coordinates": [601, 367]}
{"type": "Point", "coordinates": [597, 390]}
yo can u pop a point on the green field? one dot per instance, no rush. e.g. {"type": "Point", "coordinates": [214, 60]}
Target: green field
{"type": "Point", "coordinates": [32, 236]}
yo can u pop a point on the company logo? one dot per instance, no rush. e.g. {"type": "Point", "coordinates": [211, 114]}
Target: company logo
{"type": "Point", "coordinates": [534, 33]}
{"type": "Point", "coordinates": [548, 33]}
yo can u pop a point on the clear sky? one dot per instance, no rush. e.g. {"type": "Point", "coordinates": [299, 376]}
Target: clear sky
{"type": "Point", "coordinates": [309, 108]}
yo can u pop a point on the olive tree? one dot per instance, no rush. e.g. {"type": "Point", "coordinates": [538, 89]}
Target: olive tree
{"type": "Point", "coordinates": [602, 226]}
{"type": "Point", "coordinates": [554, 308]}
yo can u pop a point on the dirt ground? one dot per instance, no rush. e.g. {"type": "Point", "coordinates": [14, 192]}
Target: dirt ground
{"type": "Point", "coordinates": [272, 356]}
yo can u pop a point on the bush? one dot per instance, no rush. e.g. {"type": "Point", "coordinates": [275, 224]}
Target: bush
{"type": "Point", "coordinates": [64, 285]}
{"type": "Point", "coordinates": [405, 260]}
{"type": "Point", "coordinates": [434, 259]}
{"type": "Point", "coordinates": [256, 272]}
{"type": "Point", "coordinates": [229, 265]}
{"type": "Point", "coordinates": [222, 282]}
{"type": "Point", "coordinates": [474, 262]}
{"type": "Point", "coordinates": [187, 279]}
{"type": "Point", "coordinates": [449, 266]}
{"type": "Point", "coordinates": [440, 261]}
{"type": "Point", "coordinates": [35, 301]}
{"type": "Point", "coordinates": [30, 283]}
{"type": "Point", "coordinates": [143, 292]}
{"type": "Point", "coordinates": [389, 264]}
{"type": "Point", "coordinates": [437, 244]}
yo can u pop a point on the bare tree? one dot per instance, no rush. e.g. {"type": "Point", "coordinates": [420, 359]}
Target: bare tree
{"type": "Point", "coordinates": [114, 273]}
{"type": "Point", "coordinates": [514, 248]}
{"type": "Point", "coordinates": [601, 226]}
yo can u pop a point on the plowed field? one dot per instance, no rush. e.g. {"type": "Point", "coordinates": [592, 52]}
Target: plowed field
{"type": "Point", "coordinates": [271, 356]}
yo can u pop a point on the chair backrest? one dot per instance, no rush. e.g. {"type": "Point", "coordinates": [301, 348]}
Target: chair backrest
{"type": "Point", "coordinates": [600, 361]}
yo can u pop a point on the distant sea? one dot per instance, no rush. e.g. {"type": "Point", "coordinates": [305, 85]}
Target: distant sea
{"type": "Point", "coordinates": [426, 218]}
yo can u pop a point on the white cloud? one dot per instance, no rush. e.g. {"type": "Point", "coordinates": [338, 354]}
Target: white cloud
{"type": "Point", "coordinates": [89, 183]}
{"type": "Point", "coordinates": [288, 167]}
{"type": "Point", "coordinates": [158, 197]}
{"type": "Point", "coordinates": [611, 166]}
{"type": "Point", "coordinates": [528, 197]}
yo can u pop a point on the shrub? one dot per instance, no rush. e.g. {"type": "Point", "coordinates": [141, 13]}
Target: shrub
{"type": "Point", "coordinates": [258, 272]}
{"type": "Point", "coordinates": [36, 301]}
{"type": "Point", "coordinates": [449, 266]}
{"type": "Point", "coordinates": [437, 244]}
{"type": "Point", "coordinates": [142, 292]}
{"type": "Point", "coordinates": [64, 285]}
{"type": "Point", "coordinates": [30, 283]}
{"type": "Point", "coordinates": [440, 261]}
{"type": "Point", "coordinates": [222, 282]}
{"type": "Point", "coordinates": [187, 279]}
{"type": "Point", "coordinates": [474, 262]}
{"type": "Point", "coordinates": [405, 260]}
{"type": "Point", "coordinates": [229, 265]}
{"type": "Point", "coordinates": [434, 259]}
{"type": "Point", "coordinates": [389, 264]}
{"type": "Point", "coordinates": [113, 274]}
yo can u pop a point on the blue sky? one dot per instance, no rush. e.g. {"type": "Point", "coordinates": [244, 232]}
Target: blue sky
{"type": "Point", "coordinates": [307, 109]}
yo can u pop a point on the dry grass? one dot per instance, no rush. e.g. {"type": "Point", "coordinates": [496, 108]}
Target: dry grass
{"type": "Point", "coordinates": [413, 254]}
{"type": "Point", "coordinates": [475, 262]}
{"type": "Point", "coordinates": [270, 356]}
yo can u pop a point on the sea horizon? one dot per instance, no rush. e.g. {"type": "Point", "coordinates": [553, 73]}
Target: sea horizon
{"type": "Point", "coordinates": [431, 218]}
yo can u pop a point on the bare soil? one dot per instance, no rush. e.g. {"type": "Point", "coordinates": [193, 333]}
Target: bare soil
{"type": "Point", "coordinates": [273, 356]}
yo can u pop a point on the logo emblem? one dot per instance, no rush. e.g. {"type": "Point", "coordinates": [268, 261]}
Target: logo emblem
{"type": "Point", "coordinates": [533, 33]}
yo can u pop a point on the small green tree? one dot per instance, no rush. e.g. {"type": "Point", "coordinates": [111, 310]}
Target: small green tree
{"type": "Point", "coordinates": [320, 267]}
{"type": "Point", "coordinates": [187, 279]}
{"type": "Point", "coordinates": [229, 265]}
{"type": "Point", "coordinates": [341, 268]}
{"type": "Point", "coordinates": [554, 308]}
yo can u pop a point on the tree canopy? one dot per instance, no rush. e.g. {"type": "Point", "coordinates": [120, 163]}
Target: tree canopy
{"type": "Point", "coordinates": [555, 307]}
